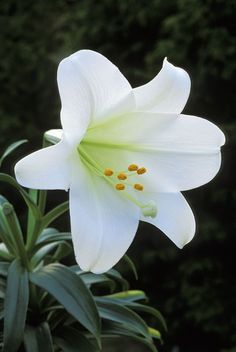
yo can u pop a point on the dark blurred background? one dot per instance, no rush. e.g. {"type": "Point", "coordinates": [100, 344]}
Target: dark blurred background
{"type": "Point", "coordinates": [194, 288]}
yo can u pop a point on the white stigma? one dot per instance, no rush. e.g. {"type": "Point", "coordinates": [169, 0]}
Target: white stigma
{"type": "Point", "coordinates": [150, 209]}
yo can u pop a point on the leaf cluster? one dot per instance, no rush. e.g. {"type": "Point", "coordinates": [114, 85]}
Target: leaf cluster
{"type": "Point", "coordinates": [48, 306]}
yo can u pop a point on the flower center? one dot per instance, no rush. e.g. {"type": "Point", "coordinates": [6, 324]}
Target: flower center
{"type": "Point", "coordinates": [120, 180]}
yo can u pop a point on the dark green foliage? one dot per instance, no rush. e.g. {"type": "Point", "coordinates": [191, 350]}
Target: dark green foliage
{"type": "Point", "coordinates": [70, 291]}
{"type": "Point", "coordinates": [197, 285]}
{"type": "Point", "coordinates": [46, 306]}
{"type": "Point", "coordinates": [15, 306]}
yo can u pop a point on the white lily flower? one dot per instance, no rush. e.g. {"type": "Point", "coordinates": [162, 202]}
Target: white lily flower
{"type": "Point", "coordinates": [125, 154]}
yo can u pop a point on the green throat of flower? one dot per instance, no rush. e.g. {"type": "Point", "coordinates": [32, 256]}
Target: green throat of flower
{"type": "Point", "coordinates": [120, 180]}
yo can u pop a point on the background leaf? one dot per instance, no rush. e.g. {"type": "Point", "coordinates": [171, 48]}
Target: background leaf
{"type": "Point", "coordinates": [112, 311]}
{"type": "Point", "coordinates": [38, 339]}
{"type": "Point", "coordinates": [72, 340]}
{"type": "Point", "coordinates": [71, 292]}
{"type": "Point", "coordinates": [11, 148]}
{"type": "Point", "coordinates": [15, 306]}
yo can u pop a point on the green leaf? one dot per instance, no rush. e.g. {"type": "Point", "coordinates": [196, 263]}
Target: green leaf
{"type": "Point", "coordinates": [47, 233]}
{"type": "Point", "coordinates": [1, 310]}
{"type": "Point", "coordinates": [54, 214]}
{"type": "Point", "coordinates": [92, 279]}
{"type": "Point", "coordinates": [29, 201]}
{"type": "Point", "coordinates": [4, 268]}
{"type": "Point", "coordinates": [41, 253]}
{"type": "Point", "coordinates": [113, 330]}
{"type": "Point", "coordinates": [15, 306]}
{"type": "Point", "coordinates": [13, 230]}
{"type": "Point", "coordinates": [154, 333]}
{"type": "Point", "coordinates": [38, 339]}
{"type": "Point", "coordinates": [2, 287]}
{"type": "Point", "coordinates": [11, 148]}
{"type": "Point", "coordinates": [71, 340]}
{"type": "Point", "coordinates": [116, 276]}
{"type": "Point", "coordinates": [5, 232]}
{"type": "Point", "coordinates": [128, 299]}
{"type": "Point", "coordinates": [4, 254]}
{"type": "Point", "coordinates": [131, 265]}
{"type": "Point", "coordinates": [71, 292]}
{"type": "Point", "coordinates": [150, 310]}
{"type": "Point", "coordinates": [129, 296]}
{"type": "Point", "coordinates": [54, 238]}
{"type": "Point", "coordinates": [120, 314]}
{"type": "Point", "coordinates": [62, 251]}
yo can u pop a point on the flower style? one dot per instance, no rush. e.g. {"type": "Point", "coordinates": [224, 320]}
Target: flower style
{"type": "Point", "coordinates": [125, 154]}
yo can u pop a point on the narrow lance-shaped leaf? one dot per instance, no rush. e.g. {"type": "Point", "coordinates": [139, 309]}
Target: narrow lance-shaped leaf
{"type": "Point", "coordinates": [71, 292]}
{"type": "Point", "coordinates": [129, 299]}
{"type": "Point", "coordinates": [116, 276]}
{"type": "Point", "coordinates": [129, 296]}
{"type": "Point", "coordinates": [15, 306]}
{"type": "Point", "coordinates": [28, 200]}
{"type": "Point", "coordinates": [52, 239]}
{"type": "Point", "coordinates": [71, 340]}
{"type": "Point", "coordinates": [121, 314]}
{"type": "Point", "coordinates": [38, 339]}
{"type": "Point", "coordinates": [54, 214]}
{"type": "Point", "coordinates": [113, 330]}
{"type": "Point", "coordinates": [131, 265]}
{"type": "Point", "coordinates": [4, 268]}
{"type": "Point", "coordinates": [11, 148]}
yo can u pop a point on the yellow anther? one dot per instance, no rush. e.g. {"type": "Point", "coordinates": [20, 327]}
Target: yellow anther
{"type": "Point", "coordinates": [133, 167]}
{"type": "Point", "coordinates": [108, 172]}
{"type": "Point", "coordinates": [122, 176]}
{"type": "Point", "coordinates": [120, 187]}
{"type": "Point", "coordinates": [141, 170]}
{"type": "Point", "coordinates": [138, 187]}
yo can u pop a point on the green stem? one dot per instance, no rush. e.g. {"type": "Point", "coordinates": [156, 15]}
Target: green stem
{"type": "Point", "coordinates": [42, 201]}
{"type": "Point", "coordinates": [32, 239]}
{"type": "Point", "coordinates": [33, 193]}
{"type": "Point", "coordinates": [35, 223]}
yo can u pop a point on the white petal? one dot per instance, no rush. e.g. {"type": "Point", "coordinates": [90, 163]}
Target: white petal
{"type": "Point", "coordinates": [174, 217]}
{"type": "Point", "coordinates": [91, 87]}
{"type": "Point", "coordinates": [168, 92]}
{"type": "Point", "coordinates": [76, 99]}
{"type": "Point", "coordinates": [103, 223]}
{"type": "Point", "coordinates": [179, 153]}
{"type": "Point", "coordinates": [48, 168]}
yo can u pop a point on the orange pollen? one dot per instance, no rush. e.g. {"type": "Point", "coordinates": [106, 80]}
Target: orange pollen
{"type": "Point", "coordinates": [120, 187]}
{"type": "Point", "coordinates": [138, 187]}
{"type": "Point", "coordinates": [133, 167]}
{"type": "Point", "coordinates": [122, 176]}
{"type": "Point", "coordinates": [108, 172]}
{"type": "Point", "coordinates": [141, 170]}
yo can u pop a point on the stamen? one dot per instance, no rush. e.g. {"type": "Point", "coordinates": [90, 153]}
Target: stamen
{"type": "Point", "coordinates": [108, 172]}
{"type": "Point", "coordinates": [148, 209]}
{"type": "Point", "coordinates": [120, 187]}
{"type": "Point", "coordinates": [122, 176]}
{"type": "Point", "coordinates": [141, 170]}
{"type": "Point", "coordinates": [133, 167]}
{"type": "Point", "coordinates": [138, 187]}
